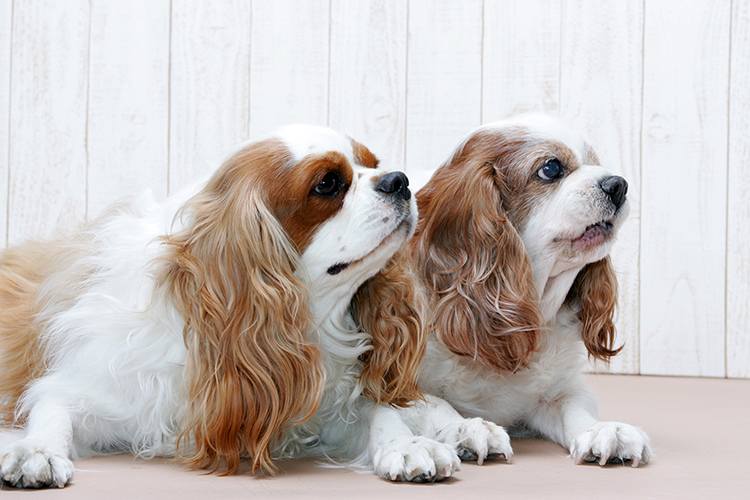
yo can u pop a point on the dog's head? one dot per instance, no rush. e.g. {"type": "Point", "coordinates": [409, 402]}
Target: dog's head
{"type": "Point", "coordinates": [290, 231]}
{"type": "Point", "coordinates": [519, 203]}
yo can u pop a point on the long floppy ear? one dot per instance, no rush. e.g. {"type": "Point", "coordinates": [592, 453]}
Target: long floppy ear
{"type": "Point", "coordinates": [250, 371]}
{"type": "Point", "coordinates": [390, 306]}
{"type": "Point", "coordinates": [595, 292]}
{"type": "Point", "coordinates": [475, 267]}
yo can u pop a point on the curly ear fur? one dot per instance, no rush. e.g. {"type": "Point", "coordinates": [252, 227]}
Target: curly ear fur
{"type": "Point", "coordinates": [595, 292]}
{"type": "Point", "coordinates": [250, 372]}
{"type": "Point", "coordinates": [475, 267]}
{"type": "Point", "coordinates": [391, 308]}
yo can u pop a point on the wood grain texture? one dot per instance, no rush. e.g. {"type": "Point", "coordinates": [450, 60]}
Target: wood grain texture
{"type": "Point", "coordinates": [444, 79]}
{"type": "Point", "coordinates": [6, 39]}
{"type": "Point", "coordinates": [289, 74]}
{"type": "Point", "coordinates": [209, 85]}
{"type": "Point", "coordinates": [738, 237]}
{"type": "Point", "coordinates": [368, 75]}
{"type": "Point", "coordinates": [521, 68]}
{"type": "Point", "coordinates": [600, 95]}
{"type": "Point", "coordinates": [96, 94]}
{"type": "Point", "coordinates": [128, 111]}
{"type": "Point", "coordinates": [49, 86]}
{"type": "Point", "coordinates": [683, 240]}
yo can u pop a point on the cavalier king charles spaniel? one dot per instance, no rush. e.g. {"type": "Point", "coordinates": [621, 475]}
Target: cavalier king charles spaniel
{"type": "Point", "coordinates": [266, 312]}
{"type": "Point", "coordinates": [512, 246]}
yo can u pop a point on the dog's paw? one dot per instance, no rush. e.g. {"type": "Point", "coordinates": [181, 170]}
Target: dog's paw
{"type": "Point", "coordinates": [607, 442]}
{"type": "Point", "coordinates": [417, 459]}
{"type": "Point", "coordinates": [26, 464]}
{"type": "Point", "coordinates": [477, 439]}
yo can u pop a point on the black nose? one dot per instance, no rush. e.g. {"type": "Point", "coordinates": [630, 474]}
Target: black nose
{"type": "Point", "coordinates": [395, 184]}
{"type": "Point", "coordinates": [616, 188]}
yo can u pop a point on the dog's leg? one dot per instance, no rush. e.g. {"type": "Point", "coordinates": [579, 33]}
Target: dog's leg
{"type": "Point", "coordinates": [473, 438]}
{"type": "Point", "coordinates": [424, 441]}
{"type": "Point", "coordinates": [400, 455]}
{"type": "Point", "coordinates": [573, 422]}
{"type": "Point", "coordinates": [42, 457]}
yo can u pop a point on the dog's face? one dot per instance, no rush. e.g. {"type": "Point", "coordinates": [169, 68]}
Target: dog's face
{"type": "Point", "coordinates": [566, 207]}
{"type": "Point", "coordinates": [344, 214]}
{"type": "Point", "coordinates": [517, 222]}
{"type": "Point", "coordinates": [355, 214]}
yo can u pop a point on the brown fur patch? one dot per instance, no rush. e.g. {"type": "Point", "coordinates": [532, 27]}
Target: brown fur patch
{"type": "Point", "coordinates": [250, 370]}
{"type": "Point", "coordinates": [595, 293]}
{"type": "Point", "coordinates": [22, 271]}
{"type": "Point", "coordinates": [364, 156]}
{"type": "Point", "coordinates": [474, 265]}
{"type": "Point", "coordinates": [285, 187]}
{"type": "Point", "coordinates": [517, 155]}
{"type": "Point", "coordinates": [392, 310]}
{"type": "Point", "coordinates": [290, 195]}
{"type": "Point", "coordinates": [25, 271]}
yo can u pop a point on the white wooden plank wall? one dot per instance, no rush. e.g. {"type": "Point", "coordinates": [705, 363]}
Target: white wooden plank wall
{"type": "Point", "coordinates": [100, 97]}
{"type": "Point", "coordinates": [738, 204]}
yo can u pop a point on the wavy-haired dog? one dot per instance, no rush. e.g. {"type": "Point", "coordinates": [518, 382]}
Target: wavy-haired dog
{"type": "Point", "coordinates": [265, 312]}
{"type": "Point", "coordinates": [512, 245]}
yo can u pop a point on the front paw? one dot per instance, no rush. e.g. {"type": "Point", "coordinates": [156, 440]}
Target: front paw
{"type": "Point", "coordinates": [27, 464]}
{"type": "Point", "coordinates": [477, 439]}
{"type": "Point", "coordinates": [417, 459]}
{"type": "Point", "coordinates": [612, 442]}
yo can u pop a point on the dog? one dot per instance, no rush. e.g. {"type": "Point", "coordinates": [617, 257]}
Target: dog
{"type": "Point", "coordinates": [268, 311]}
{"type": "Point", "coordinates": [512, 246]}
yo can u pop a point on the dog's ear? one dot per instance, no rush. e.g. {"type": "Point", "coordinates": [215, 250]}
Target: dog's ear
{"type": "Point", "coordinates": [390, 306]}
{"type": "Point", "coordinates": [250, 372]}
{"type": "Point", "coordinates": [475, 267]}
{"type": "Point", "coordinates": [594, 292]}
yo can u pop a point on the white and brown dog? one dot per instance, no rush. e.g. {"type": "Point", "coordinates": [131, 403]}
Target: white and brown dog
{"type": "Point", "coordinates": [512, 245]}
{"type": "Point", "coordinates": [265, 312]}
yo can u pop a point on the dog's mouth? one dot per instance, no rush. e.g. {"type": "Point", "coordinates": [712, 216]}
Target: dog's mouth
{"type": "Point", "coordinates": [593, 236]}
{"type": "Point", "coordinates": [403, 227]}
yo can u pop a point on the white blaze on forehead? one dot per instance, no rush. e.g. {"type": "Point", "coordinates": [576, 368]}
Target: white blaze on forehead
{"type": "Point", "coordinates": [303, 140]}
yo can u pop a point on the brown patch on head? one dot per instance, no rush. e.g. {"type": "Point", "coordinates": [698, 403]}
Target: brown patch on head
{"type": "Point", "coordinates": [288, 187]}
{"type": "Point", "coordinates": [364, 156]}
{"type": "Point", "coordinates": [299, 207]}
{"type": "Point", "coordinates": [518, 153]}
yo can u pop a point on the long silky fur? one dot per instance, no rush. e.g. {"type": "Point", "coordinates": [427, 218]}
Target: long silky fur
{"type": "Point", "coordinates": [250, 370]}
{"type": "Point", "coordinates": [594, 292]}
{"type": "Point", "coordinates": [475, 268]}
{"type": "Point", "coordinates": [391, 308]}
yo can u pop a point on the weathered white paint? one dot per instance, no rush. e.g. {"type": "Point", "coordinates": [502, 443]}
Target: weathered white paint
{"type": "Point", "coordinates": [98, 97]}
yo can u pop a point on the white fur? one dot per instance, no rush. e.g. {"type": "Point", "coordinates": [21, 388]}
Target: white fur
{"type": "Point", "coordinates": [116, 352]}
{"type": "Point", "coordinates": [549, 397]}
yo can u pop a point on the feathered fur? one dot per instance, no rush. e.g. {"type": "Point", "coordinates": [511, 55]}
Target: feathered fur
{"type": "Point", "coordinates": [472, 261]}
{"type": "Point", "coordinates": [221, 323]}
{"type": "Point", "coordinates": [513, 240]}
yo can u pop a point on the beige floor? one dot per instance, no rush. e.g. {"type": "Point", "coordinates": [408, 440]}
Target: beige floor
{"type": "Point", "coordinates": [700, 429]}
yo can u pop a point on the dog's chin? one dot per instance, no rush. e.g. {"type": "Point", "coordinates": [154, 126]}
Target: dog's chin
{"type": "Point", "coordinates": [382, 250]}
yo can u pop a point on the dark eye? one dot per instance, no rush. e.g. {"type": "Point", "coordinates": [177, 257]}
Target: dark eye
{"type": "Point", "coordinates": [550, 171]}
{"type": "Point", "coordinates": [329, 185]}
